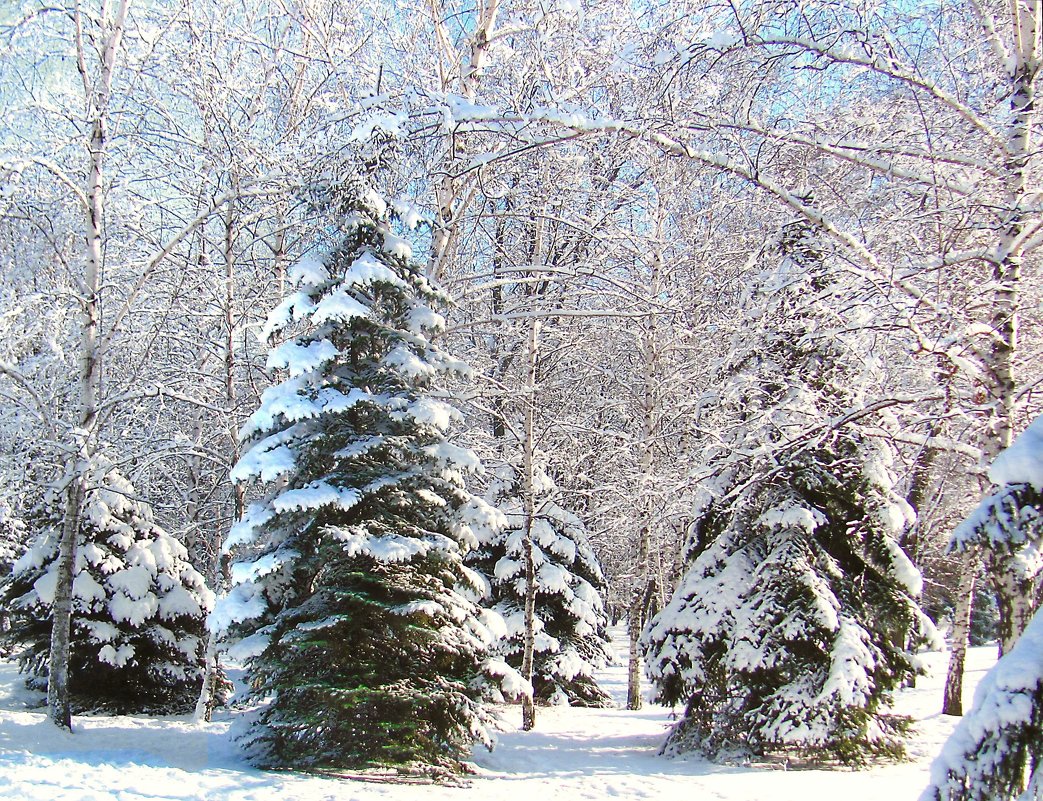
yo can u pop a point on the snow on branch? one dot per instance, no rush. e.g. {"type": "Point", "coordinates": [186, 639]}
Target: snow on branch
{"type": "Point", "coordinates": [888, 68]}
{"type": "Point", "coordinates": [19, 378]}
{"type": "Point", "coordinates": [160, 391]}
{"type": "Point", "coordinates": [262, 190]}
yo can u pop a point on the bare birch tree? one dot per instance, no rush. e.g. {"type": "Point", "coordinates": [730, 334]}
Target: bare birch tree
{"type": "Point", "coordinates": [104, 42]}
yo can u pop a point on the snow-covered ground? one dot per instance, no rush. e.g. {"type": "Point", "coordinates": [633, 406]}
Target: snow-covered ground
{"type": "Point", "coordinates": [573, 754]}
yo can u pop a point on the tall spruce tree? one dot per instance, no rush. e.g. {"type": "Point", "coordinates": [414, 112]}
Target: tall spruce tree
{"type": "Point", "coordinates": [365, 647]}
{"type": "Point", "coordinates": [570, 620]}
{"type": "Point", "coordinates": [790, 627]}
{"type": "Point", "coordinates": [139, 606]}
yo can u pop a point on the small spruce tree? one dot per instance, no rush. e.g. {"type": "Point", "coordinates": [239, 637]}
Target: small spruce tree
{"type": "Point", "coordinates": [139, 607]}
{"type": "Point", "coordinates": [350, 596]}
{"type": "Point", "coordinates": [994, 753]}
{"type": "Point", "coordinates": [789, 629]}
{"type": "Point", "coordinates": [570, 619]}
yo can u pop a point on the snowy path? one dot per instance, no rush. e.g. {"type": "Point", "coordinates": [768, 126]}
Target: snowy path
{"type": "Point", "coordinates": [573, 754]}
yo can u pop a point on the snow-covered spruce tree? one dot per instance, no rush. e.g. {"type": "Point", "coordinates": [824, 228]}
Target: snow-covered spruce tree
{"type": "Point", "coordinates": [570, 622]}
{"type": "Point", "coordinates": [994, 753]}
{"type": "Point", "coordinates": [12, 545]}
{"type": "Point", "coordinates": [365, 648]}
{"type": "Point", "coordinates": [12, 539]}
{"type": "Point", "coordinates": [789, 629]}
{"type": "Point", "coordinates": [139, 607]}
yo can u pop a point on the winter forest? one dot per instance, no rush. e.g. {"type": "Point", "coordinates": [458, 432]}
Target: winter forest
{"type": "Point", "coordinates": [376, 375]}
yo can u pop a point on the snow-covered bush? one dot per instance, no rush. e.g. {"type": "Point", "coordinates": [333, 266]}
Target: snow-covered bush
{"type": "Point", "coordinates": [138, 606]}
{"type": "Point", "coordinates": [350, 600]}
{"type": "Point", "coordinates": [791, 626]}
{"type": "Point", "coordinates": [570, 622]}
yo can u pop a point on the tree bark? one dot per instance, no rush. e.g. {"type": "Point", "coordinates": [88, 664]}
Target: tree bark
{"type": "Point", "coordinates": [1015, 601]}
{"type": "Point", "coordinates": [644, 587]}
{"type": "Point", "coordinates": [528, 448]}
{"type": "Point", "coordinates": [231, 394]}
{"type": "Point", "coordinates": [952, 702]}
{"type": "Point", "coordinates": [212, 665]}
{"type": "Point", "coordinates": [58, 701]}
{"type": "Point", "coordinates": [98, 94]}
{"type": "Point", "coordinates": [449, 192]}
{"type": "Point", "coordinates": [636, 622]}
{"type": "Point", "coordinates": [498, 358]}
{"type": "Point", "coordinates": [1016, 594]}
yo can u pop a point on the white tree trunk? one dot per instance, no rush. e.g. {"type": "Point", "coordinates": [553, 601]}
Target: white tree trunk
{"type": "Point", "coordinates": [98, 93]}
{"type": "Point", "coordinates": [231, 393]}
{"type": "Point", "coordinates": [212, 665]}
{"type": "Point", "coordinates": [58, 701]}
{"type": "Point", "coordinates": [450, 192]}
{"type": "Point", "coordinates": [952, 702]}
{"type": "Point", "coordinates": [1016, 594]}
{"type": "Point", "coordinates": [645, 583]}
{"type": "Point", "coordinates": [529, 496]}
{"type": "Point", "coordinates": [636, 622]}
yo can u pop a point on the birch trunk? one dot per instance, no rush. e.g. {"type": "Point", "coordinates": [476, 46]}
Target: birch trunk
{"type": "Point", "coordinates": [636, 622]}
{"type": "Point", "coordinates": [449, 191]}
{"type": "Point", "coordinates": [1015, 593]}
{"type": "Point", "coordinates": [212, 666]}
{"type": "Point", "coordinates": [97, 93]}
{"type": "Point", "coordinates": [231, 394]}
{"type": "Point", "coordinates": [58, 701]}
{"type": "Point", "coordinates": [952, 702]}
{"type": "Point", "coordinates": [528, 447]}
{"type": "Point", "coordinates": [499, 358]}
{"type": "Point", "coordinates": [644, 587]}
